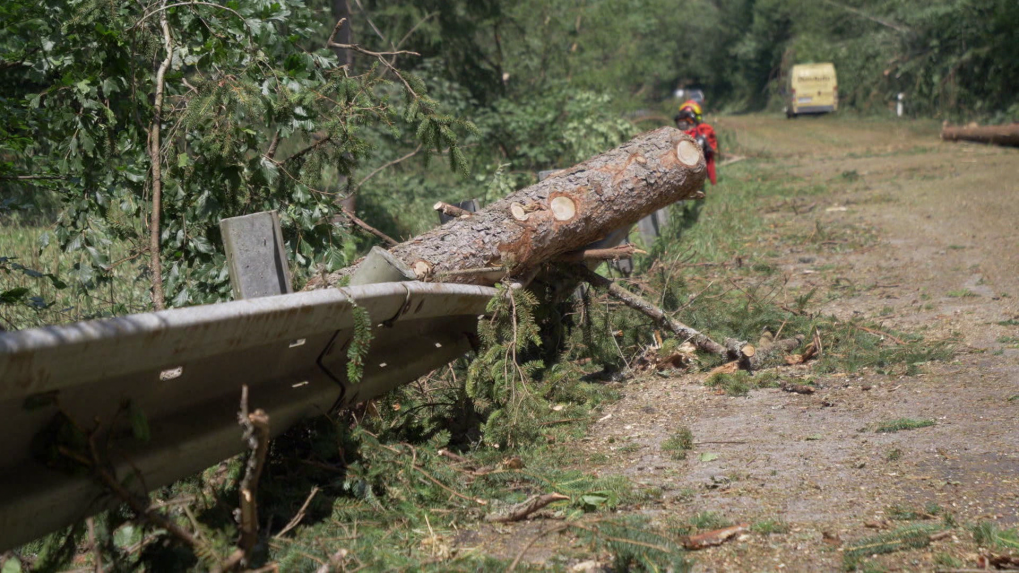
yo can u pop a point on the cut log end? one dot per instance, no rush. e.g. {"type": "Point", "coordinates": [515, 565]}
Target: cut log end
{"type": "Point", "coordinates": [518, 212]}
{"type": "Point", "coordinates": [688, 153]}
{"type": "Point", "coordinates": [422, 269]}
{"type": "Point", "coordinates": [563, 208]}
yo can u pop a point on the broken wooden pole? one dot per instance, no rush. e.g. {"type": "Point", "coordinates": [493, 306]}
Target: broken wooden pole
{"type": "Point", "coordinates": [565, 212]}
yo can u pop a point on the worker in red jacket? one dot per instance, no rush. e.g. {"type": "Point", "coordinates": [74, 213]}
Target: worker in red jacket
{"type": "Point", "coordinates": [691, 122]}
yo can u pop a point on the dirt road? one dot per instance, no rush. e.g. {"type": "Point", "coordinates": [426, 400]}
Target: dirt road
{"type": "Point", "coordinates": [943, 261]}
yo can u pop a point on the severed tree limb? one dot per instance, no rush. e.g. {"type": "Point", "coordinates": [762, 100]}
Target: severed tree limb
{"type": "Point", "coordinates": [610, 254]}
{"type": "Point", "coordinates": [525, 508]}
{"type": "Point", "coordinates": [701, 341]}
{"type": "Point", "coordinates": [451, 210]}
{"type": "Point", "coordinates": [300, 513]}
{"type": "Point", "coordinates": [256, 434]}
{"type": "Point", "coordinates": [353, 219]}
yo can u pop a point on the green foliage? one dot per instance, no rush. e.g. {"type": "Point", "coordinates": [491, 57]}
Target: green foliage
{"type": "Point", "coordinates": [679, 443]}
{"type": "Point", "coordinates": [988, 534]}
{"type": "Point", "coordinates": [770, 526]}
{"type": "Point", "coordinates": [509, 390]}
{"type": "Point", "coordinates": [22, 297]}
{"type": "Point", "coordinates": [256, 110]}
{"type": "Point", "coordinates": [900, 424]}
{"type": "Point", "coordinates": [906, 537]}
{"type": "Point", "coordinates": [708, 520]}
{"type": "Point", "coordinates": [741, 383]}
{"type": "Point", "coordinates": [359, 344]}
{"type": "Point", "coordinates": [635, 546]}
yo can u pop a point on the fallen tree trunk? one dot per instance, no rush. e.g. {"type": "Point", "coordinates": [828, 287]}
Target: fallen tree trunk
{"type": "Point", "coordinates": [993, 134]}
{"type": "Point", "coordinates": [563, 213]}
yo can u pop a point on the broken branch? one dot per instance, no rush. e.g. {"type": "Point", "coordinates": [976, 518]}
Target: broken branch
{"type": "Point", "coordinates": [256, 434]}
{"type": "Point", "coordinates": [451, 210]}
{"type": "Point", "coordinates": [353, 219]}
{"type": "Point", "coordinates": [525, 508]}
{"type": "Point", "coordinates": [701, 341]}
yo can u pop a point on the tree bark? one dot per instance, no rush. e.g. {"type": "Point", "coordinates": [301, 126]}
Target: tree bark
{"type": "Point", "coordinates": [563, 213]}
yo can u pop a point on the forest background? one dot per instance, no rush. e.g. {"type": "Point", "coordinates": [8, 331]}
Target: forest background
{"type": "Point", "coordinates": [249, 108]}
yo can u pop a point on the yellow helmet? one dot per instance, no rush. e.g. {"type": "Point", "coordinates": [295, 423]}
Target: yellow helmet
{"type": "Point", "coordinates": [693, 107]}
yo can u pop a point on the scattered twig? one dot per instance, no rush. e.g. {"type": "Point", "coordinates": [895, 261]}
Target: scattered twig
{"type": "Point", "coordinates": [455, 457]}
{"type": "Point", "coordinates": [525, 508]}
{"type": "Point", "coordinates": [555, 529]}
{"type": "Point", "coordinates": [716, 537]}
{"type": "Point", "coordinates": [876, 332]}
{"type": "Point", "coordinates": [380, 56]}
{"type": "Point", "coordinates": [385, 166]}
{"type": "Point", "coordinates": [732, 159]}
{"type": "Point", "coordinates": [452, 491]}
{"type": "Point", "coordinates": [140, 505]}
{"type": "Point", "coordinates": [722, 442]}
{"type": "Point", "coordinates": [797, 210]}
{"type": "Point", "coordinates": [353, 219]}
{"type": "Point", "coordinates": [300, 514]}
{"type": "Point", "coordinates": [256, 434]}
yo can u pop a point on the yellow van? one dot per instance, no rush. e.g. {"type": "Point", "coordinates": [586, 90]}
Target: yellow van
{"type": "Point", "coordinates": [813, 88]}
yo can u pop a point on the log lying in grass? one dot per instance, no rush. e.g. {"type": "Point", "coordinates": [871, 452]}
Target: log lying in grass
{"type": "Point", "coordinates": [563, 213]}
{"type": "Point", "coordinates": [993, 134]}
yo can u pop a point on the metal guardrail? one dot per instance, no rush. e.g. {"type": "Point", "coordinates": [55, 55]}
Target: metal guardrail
{"type": "Point", "coordinates": [184, 369]}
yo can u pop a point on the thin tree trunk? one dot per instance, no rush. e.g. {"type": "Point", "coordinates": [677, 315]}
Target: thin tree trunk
{"type": "Point", "coordinates": [155, 232]}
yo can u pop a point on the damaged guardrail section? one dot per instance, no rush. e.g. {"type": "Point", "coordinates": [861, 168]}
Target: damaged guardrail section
{"type": "Point", "coordinates": [181, 371]}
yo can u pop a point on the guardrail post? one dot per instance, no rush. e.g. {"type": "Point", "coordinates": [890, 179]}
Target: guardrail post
{"type": "Point", "coordinates": [380, 266]}
{"type": "Point", "coordinates": [254, 252]}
